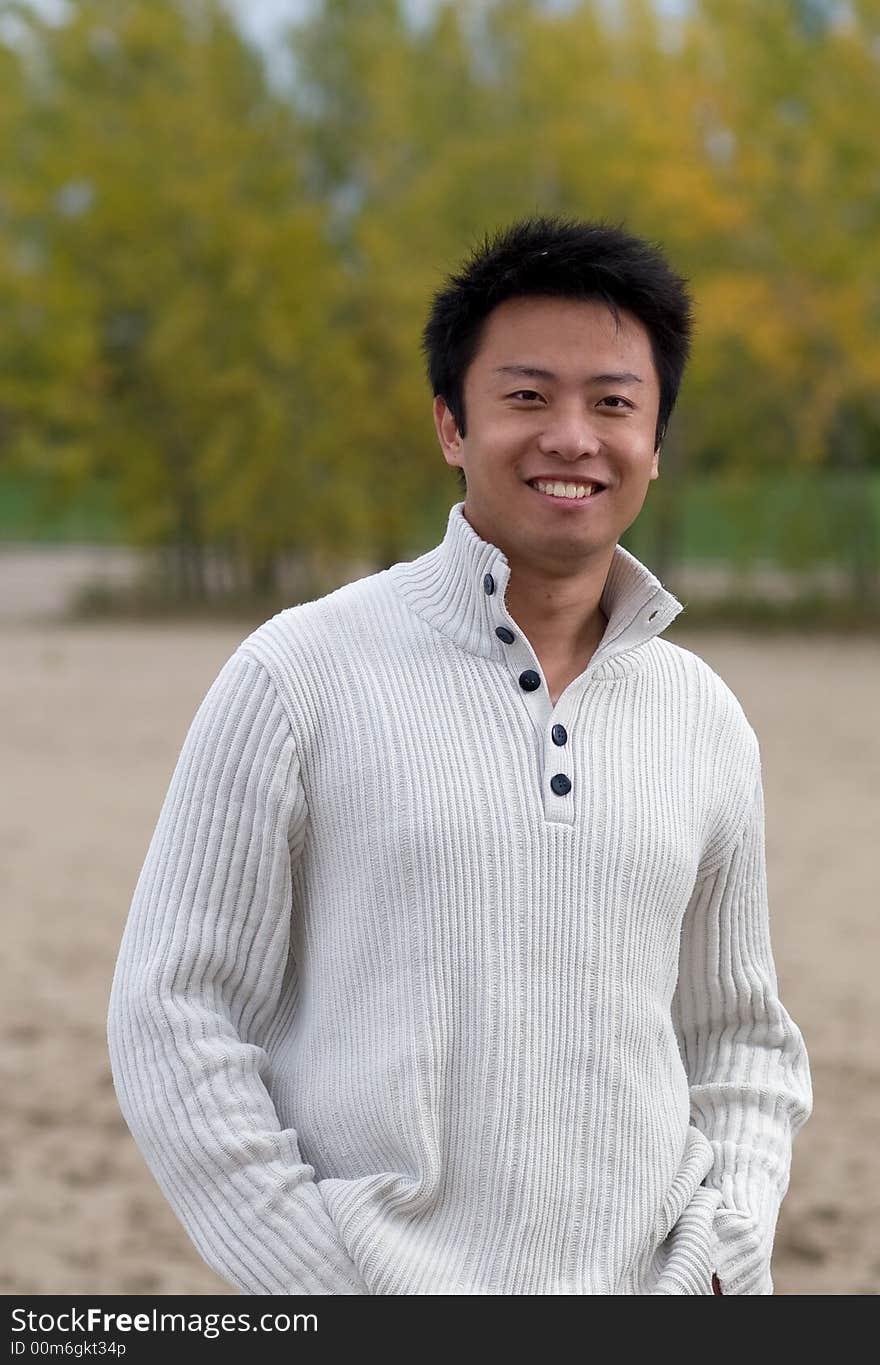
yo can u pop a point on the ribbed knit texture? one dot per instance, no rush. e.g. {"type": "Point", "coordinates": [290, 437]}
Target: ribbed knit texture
{"type": "Point", "coordinates": [394, 1015]}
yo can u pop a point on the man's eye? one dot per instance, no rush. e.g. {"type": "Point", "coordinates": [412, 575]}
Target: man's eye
{"type": "Point", "coordinates": [615, 398]}
{"type": "Point", "coordinates": [520, 392]}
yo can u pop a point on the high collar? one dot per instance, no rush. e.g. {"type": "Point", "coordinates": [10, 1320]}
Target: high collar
{"type": "Point", "coordinates": [459, 588]}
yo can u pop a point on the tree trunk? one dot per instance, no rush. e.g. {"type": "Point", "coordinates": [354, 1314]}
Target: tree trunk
{"type": "Point", "coordinates": [264, 574]}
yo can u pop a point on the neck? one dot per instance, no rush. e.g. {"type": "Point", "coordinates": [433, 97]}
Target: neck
{"type": "Point", "coordinates": [560, 620]}
{"type": "Point", "coordinates": [557, 610]}
{"type": "Point", "coordinates": [561, 617]}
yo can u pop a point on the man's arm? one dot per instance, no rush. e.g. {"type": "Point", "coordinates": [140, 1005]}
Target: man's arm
{"type": "Point", "coordinates": [199, 972]}
{"type": "Point", "coordinates": [746, 1061]}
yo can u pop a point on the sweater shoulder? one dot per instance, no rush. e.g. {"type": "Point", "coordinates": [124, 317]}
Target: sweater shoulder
{"type": "Point", "coordinates": [727, 743]}
{"type": "Point", "coordinates": [337, 622]}
{"type": "Point", "coordinates": [718, 705]}
{"type": "Point", "coordinates": [321, 652]}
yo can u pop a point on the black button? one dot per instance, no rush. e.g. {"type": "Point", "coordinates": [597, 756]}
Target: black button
{"type": "Point", "coordinates": [560, 784]}
{"type": "Point", "coordinates": [504, 634]}
{"type": "Point", "coordinates": [529, 680]}
{"type": "Point", "coordinates": [558, 734]}
{"type": "Point", "coordinates": [488, 583]}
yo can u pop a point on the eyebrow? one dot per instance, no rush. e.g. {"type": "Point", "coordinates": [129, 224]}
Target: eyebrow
{"type": "Point", "coordinates": [536, 372]}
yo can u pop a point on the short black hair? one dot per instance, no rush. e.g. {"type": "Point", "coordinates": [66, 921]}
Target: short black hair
{"type": "Point", "coordinates": [566, 258]}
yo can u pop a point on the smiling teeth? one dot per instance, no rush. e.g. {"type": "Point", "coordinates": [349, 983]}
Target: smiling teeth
{"type": "Point", "coordinates": [565, 490]}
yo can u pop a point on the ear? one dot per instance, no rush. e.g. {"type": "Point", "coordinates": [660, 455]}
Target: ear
{"type": "Point", "coordinates": [447, 431]}
{"type": "Point", "coordinates": [655, 464]}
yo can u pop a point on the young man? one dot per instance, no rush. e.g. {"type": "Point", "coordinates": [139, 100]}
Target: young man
{"type": "Point", "coordinates": [449, 968]}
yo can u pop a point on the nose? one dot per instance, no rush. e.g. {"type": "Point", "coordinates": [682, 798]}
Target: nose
{"type": "Point", "coordinates": [569, 433]}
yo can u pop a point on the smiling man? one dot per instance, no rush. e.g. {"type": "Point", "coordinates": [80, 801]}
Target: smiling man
{"type": "Point", "coordinates": [557, 470]}
{"type": "Point", "coordinates": [449, 969]}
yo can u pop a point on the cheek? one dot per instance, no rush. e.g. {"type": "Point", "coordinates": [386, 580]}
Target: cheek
{"type": "Point", "coordinates": [505, 440]}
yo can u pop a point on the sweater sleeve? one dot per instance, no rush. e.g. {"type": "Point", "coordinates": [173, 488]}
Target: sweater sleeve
{"type": "Point", "coordinates": [198, 976]}
{"type": "Point", "coordinates": [745, 1058]}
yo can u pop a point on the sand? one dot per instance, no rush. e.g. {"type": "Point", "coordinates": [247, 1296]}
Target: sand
{"type": "Point", "coordinates": [94, 719]}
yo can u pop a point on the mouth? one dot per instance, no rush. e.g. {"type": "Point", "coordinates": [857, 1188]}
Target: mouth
{"type": "Point", "coordinates": [571, 493]}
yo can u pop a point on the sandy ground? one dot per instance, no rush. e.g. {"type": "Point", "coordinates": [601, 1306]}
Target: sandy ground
{"type": "Point", "coordinates": [94, 719]}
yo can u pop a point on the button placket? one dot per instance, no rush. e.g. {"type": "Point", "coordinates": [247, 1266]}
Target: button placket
{"type": "Point", "coordinates": [560, 777]}
{"type": "Point", "coordinates": [521, 660]}
{"type": "Point", "coordinates": [530, 682]}
{"type": "Point", "coordinates": [552, 723]}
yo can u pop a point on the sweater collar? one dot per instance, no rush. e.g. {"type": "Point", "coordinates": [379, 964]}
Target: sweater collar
{"type": "Point", "coordinates": [459, 588]}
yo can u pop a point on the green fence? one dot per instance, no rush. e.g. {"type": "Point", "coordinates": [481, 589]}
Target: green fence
{"type": "Point", "coordinates": [795, 520]}
{"type": "Point", "coordinates": [26, 514]}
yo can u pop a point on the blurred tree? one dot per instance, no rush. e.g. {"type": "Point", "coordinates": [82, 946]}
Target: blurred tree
{"type": "Point", "coordinates": [185, 336]}
{"type": "Point", "coordinates": [214, 295]}
{"type": "Point", "coordinates": [798, 292]}
{"type": "Point", "coordinates": [384, 108]}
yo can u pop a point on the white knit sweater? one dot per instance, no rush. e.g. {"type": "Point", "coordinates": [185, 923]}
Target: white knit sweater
{"type": "Point", "coordinates": [398, 1011]}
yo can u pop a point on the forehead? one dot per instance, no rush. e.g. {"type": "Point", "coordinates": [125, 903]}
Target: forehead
{"type": "Point", "coordinates": [563, 335]}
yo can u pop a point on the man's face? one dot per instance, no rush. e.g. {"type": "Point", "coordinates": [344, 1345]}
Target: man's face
{"type": "Point", "coordinates": [568, 424]}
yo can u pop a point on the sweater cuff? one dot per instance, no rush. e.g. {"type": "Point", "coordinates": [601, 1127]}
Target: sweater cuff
{"type": "Point", "coordinates": [745, 1226]}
